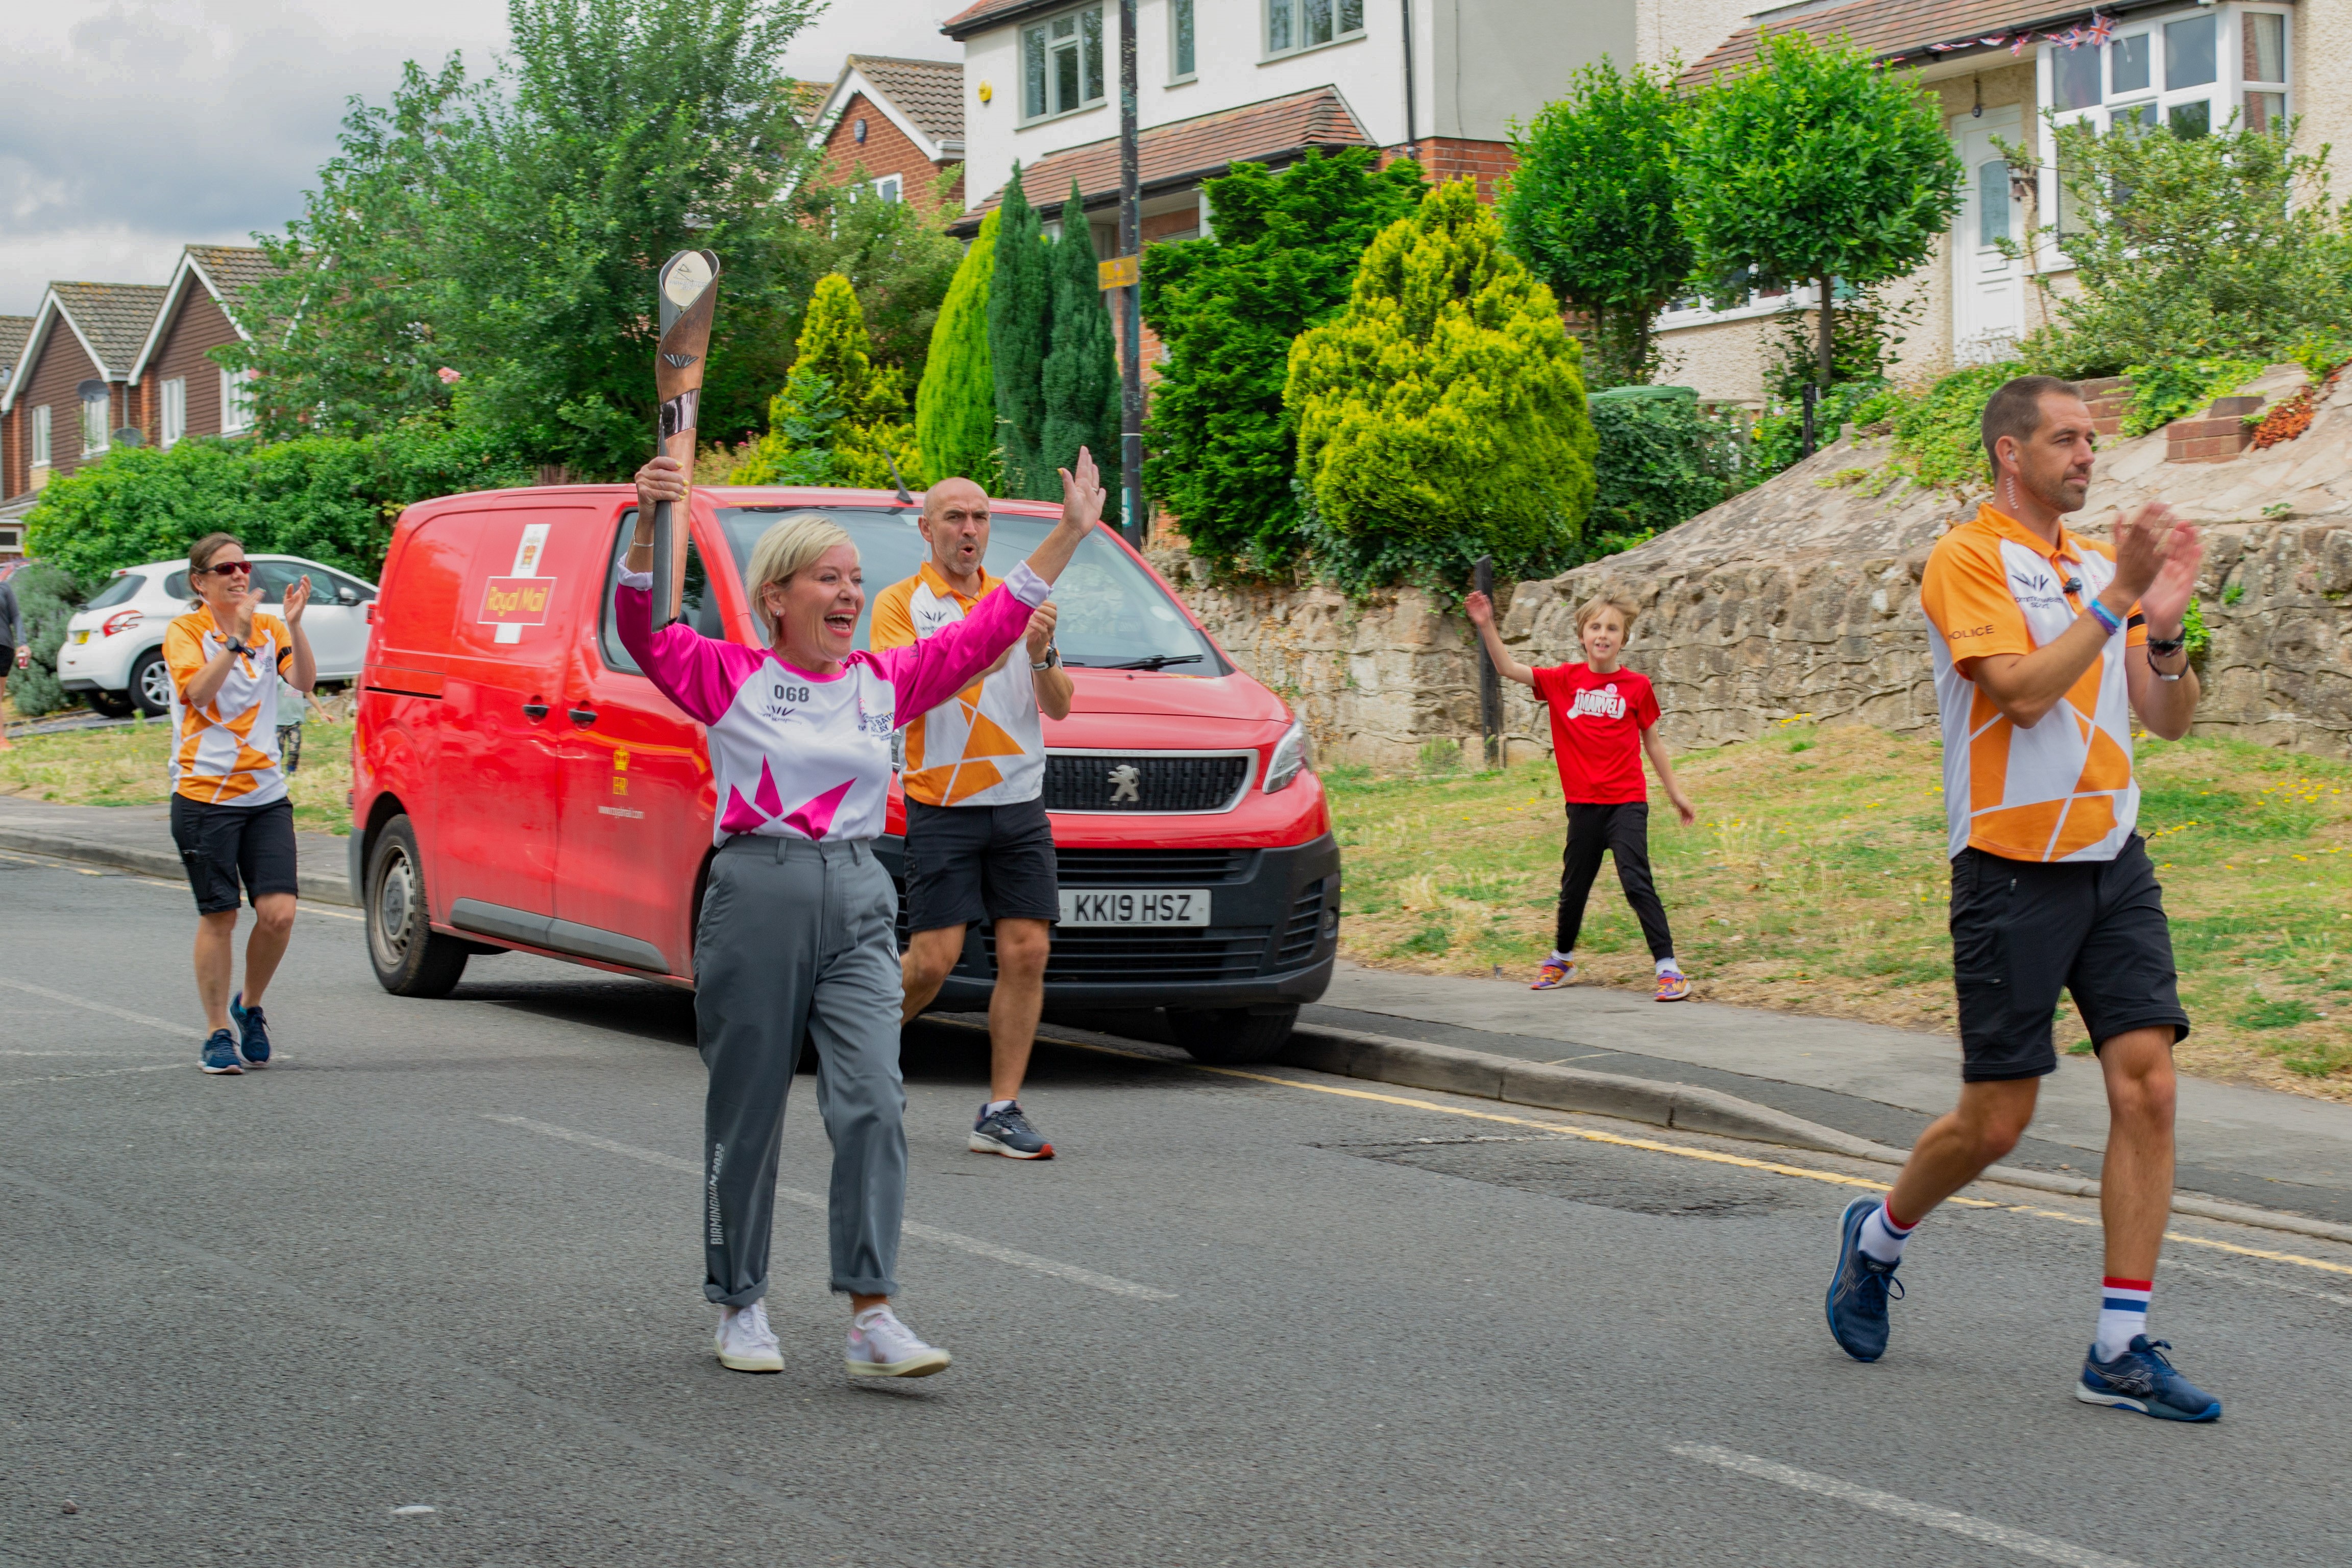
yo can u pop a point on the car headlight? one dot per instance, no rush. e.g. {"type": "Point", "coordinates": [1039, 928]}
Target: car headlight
{"type": "Point", "coordinates": [1293, 754]}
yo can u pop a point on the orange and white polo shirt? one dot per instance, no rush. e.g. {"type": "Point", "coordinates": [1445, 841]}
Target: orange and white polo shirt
{"type": "Point", "coordinates": [2061, 790]}
{"type": "Point", "coordinates": [226, 753]}
{"type": "Point", "coordinates": [984, 746]}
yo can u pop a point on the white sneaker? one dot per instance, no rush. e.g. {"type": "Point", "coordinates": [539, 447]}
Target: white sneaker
{"type": "Point", "coordinates": [882, 1346]}
{"type": "Point", "coordinates": [745, 1341]}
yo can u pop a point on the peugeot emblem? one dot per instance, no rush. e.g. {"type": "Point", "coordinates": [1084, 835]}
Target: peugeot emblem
{"type": "Point", "coordinates": [1123, 780]}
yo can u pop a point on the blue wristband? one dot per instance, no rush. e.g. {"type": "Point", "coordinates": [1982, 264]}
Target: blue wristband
{"type": "Point", "coordinates": [2106, 617]}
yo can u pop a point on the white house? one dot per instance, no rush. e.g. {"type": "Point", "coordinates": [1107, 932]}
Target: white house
{"type": "Point", "coordinates": [1263, 80]}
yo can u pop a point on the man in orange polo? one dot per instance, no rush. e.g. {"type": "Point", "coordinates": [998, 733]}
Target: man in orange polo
{"type": "Point", "coordinates": [2046, 643]}
{"type": "Point", "coordinates": [979, 845]}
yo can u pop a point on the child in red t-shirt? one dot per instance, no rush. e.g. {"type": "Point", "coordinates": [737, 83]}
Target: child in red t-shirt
{"type": "Point", "coordinates": [1602, 718]}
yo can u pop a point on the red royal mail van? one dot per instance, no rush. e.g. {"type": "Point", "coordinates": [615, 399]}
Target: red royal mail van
{"type": "Point", "coordinates": [518, 785]}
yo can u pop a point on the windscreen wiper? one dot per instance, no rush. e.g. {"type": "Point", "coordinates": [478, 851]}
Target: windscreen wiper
{"type": "Point", "coordinates": [1150, 661]}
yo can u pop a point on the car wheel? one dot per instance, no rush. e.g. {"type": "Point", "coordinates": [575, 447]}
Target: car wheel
{"type": "Point", "coordinates": [411, 958]}
{"type": "Point", "coordinates": [151, 684]}
{"type": "Point", "coordinates": [109, 704]}
{"type": "Point", "coordinates": [1225, 1036]}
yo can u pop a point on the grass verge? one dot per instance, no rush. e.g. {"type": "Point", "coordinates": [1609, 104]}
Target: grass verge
{"type": "Point", "coordinates": [130, 765]}
{"type": "Point", "coordinates": [1816, 881]}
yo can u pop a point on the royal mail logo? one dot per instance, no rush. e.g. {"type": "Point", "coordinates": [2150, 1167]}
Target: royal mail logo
{"type": "Point", "coordinates": [516, 601]}
{"type": "Point", "coordinates": [1598, 703]}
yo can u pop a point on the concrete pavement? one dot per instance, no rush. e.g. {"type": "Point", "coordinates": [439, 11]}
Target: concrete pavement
{"type": "Point", "coordinates": [429, 1294]}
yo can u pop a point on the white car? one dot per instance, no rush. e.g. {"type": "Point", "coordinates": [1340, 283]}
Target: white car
{"type": "Point", "coordinates": [113, 653]}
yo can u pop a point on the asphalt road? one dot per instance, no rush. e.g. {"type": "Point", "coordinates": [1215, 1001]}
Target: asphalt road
{"type": "Point", "coordinates": [445, 1258]}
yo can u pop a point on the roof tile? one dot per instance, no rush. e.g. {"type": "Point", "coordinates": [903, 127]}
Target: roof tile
{"type": "Point", "coordinates": [929, 92]}
{"type": "Point", "coordinates": [14, 331]}
{"type": "Point", "coordinates": [988, 13]}
{"type": "Point", "coordinates": [232, 269]}
{"type": "Point", "coordinates": [114, 317]}
{"type": "Point", "coordinates": [1184, 150]}
{"type": "Point", "coordinates": [1898, 29]}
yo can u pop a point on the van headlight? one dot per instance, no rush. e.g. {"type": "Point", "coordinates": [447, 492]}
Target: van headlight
{"type": "Point", "coordinates": [1293, 754]}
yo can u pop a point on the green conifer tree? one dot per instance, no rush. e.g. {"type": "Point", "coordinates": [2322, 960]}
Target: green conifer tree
{"type": "Point", "coordinates": [1020, 330]}
{"type": "Point", "coordinates": [1441, 415]}
{"type": "Point", "coordinates": [1080, 375]}
{"type": "Point", "coordinates": [955, 407]}
{"type": "Point", "coordinates": [839, 402]}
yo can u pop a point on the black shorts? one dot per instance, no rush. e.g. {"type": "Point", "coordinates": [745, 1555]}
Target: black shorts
{"type": "Point", "coordinates": [969, 863]}
{"type": "Point", "coordinates": [2024, 930]}
{"type": "Point", "coordinates": [222, 846]}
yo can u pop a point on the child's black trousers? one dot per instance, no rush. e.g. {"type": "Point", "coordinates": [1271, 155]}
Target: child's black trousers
{"type": "Point", "coordinates": [1625, 832]}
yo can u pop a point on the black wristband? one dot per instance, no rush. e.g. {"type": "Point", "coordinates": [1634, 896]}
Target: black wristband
{"type": "Point", "coordinates": [2167, 647]}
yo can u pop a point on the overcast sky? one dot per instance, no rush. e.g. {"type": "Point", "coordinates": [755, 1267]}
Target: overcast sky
{"type": "Point", "coordinates": [129, 128]}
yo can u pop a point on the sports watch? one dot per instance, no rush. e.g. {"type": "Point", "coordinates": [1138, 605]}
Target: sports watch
{"type": "Point", "coordinates": [1052, 660]}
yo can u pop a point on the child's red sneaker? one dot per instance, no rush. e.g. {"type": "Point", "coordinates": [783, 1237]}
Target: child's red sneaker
{"type": "Point", "coordinates": [1553, 975]}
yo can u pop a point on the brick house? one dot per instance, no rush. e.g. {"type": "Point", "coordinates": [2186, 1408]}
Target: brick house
{"type": "Point", "coordinates": [183, 391]}
{"type": "Point", "coordinates": [1261, 80]}
{"type": "Point", "coordinates": [72, 388]}
{"type": "Point", "coordinates": [1996, 67]}
{"type": "Point", "coordinates": [13, 332]}
{"type": "Point", "coordinates": [898, 125]}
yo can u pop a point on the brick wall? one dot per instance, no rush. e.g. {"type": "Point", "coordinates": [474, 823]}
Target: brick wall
{"type": "Point", "coordinates": [197, 325]}
{"type": "Point", "coordinates": [1445, 158]}
{"type": "Point", "coordinates": [53, 380]}
{"type": "Point", "coordinates": [887, 150]}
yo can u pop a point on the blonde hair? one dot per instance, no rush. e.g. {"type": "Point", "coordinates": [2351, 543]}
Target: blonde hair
{"type": "Point", "coordinates": [792, 545]}
{"type": "Point", "coordinates": [1608, 601]}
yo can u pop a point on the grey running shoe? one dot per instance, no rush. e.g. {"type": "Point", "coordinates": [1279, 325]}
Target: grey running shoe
{"type": "Point", "coordinates": [1008, 1132]}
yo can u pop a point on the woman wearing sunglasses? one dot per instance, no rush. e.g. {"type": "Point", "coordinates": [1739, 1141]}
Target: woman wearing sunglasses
{"type": "Point", "coordinates": [230, 816]}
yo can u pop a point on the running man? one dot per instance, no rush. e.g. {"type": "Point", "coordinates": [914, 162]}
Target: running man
{"type": "Point", "coordinates": [979, 846]}
{"type": "Point", "coordinates": [230, 816]}
{"type": "Point", "coordinates": [2046, 645]}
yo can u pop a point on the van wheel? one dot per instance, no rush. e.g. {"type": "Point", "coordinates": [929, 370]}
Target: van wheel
{"type": "Point", "coordinates": [151, 684]}
{"type": "Point", "coordinates": [1226, 1036]}
{"type": "Point", "coordinates": [109, 704]}
{"type": "Point", "coordinates": [411, 958]}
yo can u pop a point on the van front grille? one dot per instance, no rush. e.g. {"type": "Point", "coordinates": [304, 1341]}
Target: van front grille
{"type": "Point", "coordinates": [1144, 781]}
{"type": "Point", "coordinates": [1173, 954]}
{"type": "Point", "coordinates": [1303, 929]}
{"type": "Point", "coordinates": [1150, 867]}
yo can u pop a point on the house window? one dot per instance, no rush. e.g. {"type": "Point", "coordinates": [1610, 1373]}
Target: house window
{"type": "Point", "coordinates": [175, 410]}
{"type": "Point", "coordinates": [94, 422]}
{"type": "Point", "coordinates": [1062, 64]}
{"type": "Point", "coordinates": [41, 437]}
{"type": "Point", "coordinates": [890, 188]}
{"type": "Point", "coordinates": [1295, 25]}
{"type": "Point", "coordinates": [1182, 66]}
{"type": "Point", "coordinates": [2189, 72]}
{"type": "Point", "coordinates": [236, 402]}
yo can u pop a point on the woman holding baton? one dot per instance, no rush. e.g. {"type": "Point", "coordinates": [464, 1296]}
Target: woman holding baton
{"type": "Point", "coordinates": [796, 935]}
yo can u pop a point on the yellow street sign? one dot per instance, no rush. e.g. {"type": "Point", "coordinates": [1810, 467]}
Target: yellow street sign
{"type": "Point", "coordinates": [1119, 272]}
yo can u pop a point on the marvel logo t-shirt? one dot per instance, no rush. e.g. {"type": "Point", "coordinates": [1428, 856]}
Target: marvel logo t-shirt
{"type": "Point", "coordinates": [1596, 732]}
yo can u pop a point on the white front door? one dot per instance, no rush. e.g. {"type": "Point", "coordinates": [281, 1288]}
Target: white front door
{"type": "Point", "coordinates": [1988, 286]}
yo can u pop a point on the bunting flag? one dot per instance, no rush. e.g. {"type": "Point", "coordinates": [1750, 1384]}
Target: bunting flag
{"type": "Point", "coordinates": [2098, 31]}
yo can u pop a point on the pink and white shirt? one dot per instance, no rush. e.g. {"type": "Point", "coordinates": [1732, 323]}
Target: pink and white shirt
{"type": "Point", "coordinates": [796, 755]}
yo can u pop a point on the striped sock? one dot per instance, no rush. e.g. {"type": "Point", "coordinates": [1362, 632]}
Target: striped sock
{"type": "Point", "coordinates": [1883, 1235]}
{"type": "Point", "coordinates": [2123, 1313]}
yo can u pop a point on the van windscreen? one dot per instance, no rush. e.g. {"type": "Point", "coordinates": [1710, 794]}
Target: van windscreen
{"type": "Point", "coordinates": [1114, 614]}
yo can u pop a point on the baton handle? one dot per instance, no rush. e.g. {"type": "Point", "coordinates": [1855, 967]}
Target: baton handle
{"type": "Point", "coordinates": [667, 588]}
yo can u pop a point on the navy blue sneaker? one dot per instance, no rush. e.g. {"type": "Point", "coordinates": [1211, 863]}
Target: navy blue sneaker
{"type": "Point", "coordinates": [252, 1028]}
{"type": "Point", "coordinates": [1008, 1132]}
{"type": "Point", "coordinates": [1860, 1289]}
{"type": "Point", "coordinates": [220, 1054]}
{"type": "Point", "coordinates": [2141, 1379]}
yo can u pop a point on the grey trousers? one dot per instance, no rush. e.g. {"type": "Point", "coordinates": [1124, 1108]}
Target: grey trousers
{"type": "Point", "coordinates": [796, 942]}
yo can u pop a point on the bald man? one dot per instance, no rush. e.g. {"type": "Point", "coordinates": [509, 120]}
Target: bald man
{"type": "Point", "coordinates": [979, 846]}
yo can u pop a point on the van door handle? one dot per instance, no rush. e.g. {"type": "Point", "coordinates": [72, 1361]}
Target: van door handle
{"type": "Point", "coordinates": [583, 715]}
{"type": "Point", "coordinates": [534, 711]}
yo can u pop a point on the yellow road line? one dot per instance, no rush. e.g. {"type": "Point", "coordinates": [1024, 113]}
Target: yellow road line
{"type": "Point", "coordinates": [1682, 1152]}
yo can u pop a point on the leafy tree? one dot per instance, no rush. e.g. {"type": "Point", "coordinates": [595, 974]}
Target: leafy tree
{"type": "Point", "coordinates": [510, 228]}
{"type": "Point", "coordinates": [1661, 461]}
{"type": "Point", "coordinates": [1079, 379]}
{"type": "Point", "coordinates": [2191, 248]}
{"type": "Point", "coordinates": [898, 254]}
{"type": "Point", "coordinates": [838, 402]}
{"type": "Point", "coordinates": [955, 405]}
{"type": "Point", "coordinates": [332, 498]}
{"type": "Point", "coordinates": [1286, 248]}
{"type": "Point", "coordinates": [1592, 209]}
{"type": "Point", "coordinates": [1816, 164]}
{"type": "Point", "coordinates": [1020, 327]}
{"type": "Point", "coordinates": [1441, 414]}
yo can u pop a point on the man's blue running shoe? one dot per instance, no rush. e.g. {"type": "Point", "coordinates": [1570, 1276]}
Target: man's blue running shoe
{"type": "Point", "coordinates": [220, 1054]}
{"type": "Point", "coordinates": [252, 1028]}
{"type": "Point", "coordinates": [2141, 1379]}
{"type": "Point", "coordinates": [1008, 1132]}
{"type": "Point", "coordinates": [1860, 1289]}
